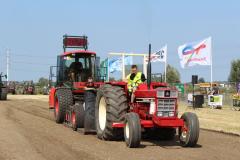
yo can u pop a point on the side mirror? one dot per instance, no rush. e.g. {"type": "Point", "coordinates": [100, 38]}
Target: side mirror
{"type": "Point", "coordinates": [5, 76]}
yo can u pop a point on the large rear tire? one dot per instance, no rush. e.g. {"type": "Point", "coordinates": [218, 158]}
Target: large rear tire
{"type": "Point", "coordinates": [189, 133]}
{"type": "Point", "coordinates": [89, 121]}
{"type": "Point", "coordinates": [78, 115]}
{"type": "Point", "coordinates": [132, 130]}
{"type": "Point", "coordinates": [63, 99]}
{"type": "Point", "coordinates": [4, 94]}
{"type": "Point", "coordinates": [111, 106]}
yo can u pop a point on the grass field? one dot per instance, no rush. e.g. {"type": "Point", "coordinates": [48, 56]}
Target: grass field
{"type": "Point", "coordinates": [224, 120]}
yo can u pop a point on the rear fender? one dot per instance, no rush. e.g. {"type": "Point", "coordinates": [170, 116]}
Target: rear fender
{"type": "Point", "coordinates": [51, 97]}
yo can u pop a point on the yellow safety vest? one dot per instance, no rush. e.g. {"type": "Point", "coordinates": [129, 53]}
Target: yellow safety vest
{"type": "Point", "coordinates": [135, 82]}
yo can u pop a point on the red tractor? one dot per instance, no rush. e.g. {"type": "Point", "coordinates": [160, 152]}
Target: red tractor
{"type": "Point", "coordinates": [12, 87]}
{"type": "Point", "coordinates": [106, 107]}
{"type": "Point", "coordinates": [77, 76]}
{"type": "Point", "coordinates": [28, 87]}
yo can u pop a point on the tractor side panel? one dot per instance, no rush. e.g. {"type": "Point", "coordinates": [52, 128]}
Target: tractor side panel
{"type": "Point", "coordinates": [51, 97]}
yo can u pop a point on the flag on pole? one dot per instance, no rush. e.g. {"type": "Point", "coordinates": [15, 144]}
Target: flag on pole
{"type": "Point", "coordinates": [128, 60]}
{"type": "Point", "coordinates": [116, 64]}
{"type": "Point", "coordinates": [159, 56]}
{"type": "Point", "coordinates": [194, 53]}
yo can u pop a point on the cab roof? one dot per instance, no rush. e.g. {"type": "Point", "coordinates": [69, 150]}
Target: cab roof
{"type": "Point", "coordinates": [78, 52]}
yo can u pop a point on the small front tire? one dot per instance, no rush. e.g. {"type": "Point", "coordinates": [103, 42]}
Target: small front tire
{"type": "Point", "coordinates": [132, 130]}
{"type": "Point", "coordinates": [189, 133]}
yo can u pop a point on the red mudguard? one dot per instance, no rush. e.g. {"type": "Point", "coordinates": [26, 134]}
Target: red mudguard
{"type": "Point", "coordinates": [51, 97]}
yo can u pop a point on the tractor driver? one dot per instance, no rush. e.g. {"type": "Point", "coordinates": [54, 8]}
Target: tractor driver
{"type": "Point", "coordinates": [75, 70]}
{"type": "Point", "coordinates": [134, 79]}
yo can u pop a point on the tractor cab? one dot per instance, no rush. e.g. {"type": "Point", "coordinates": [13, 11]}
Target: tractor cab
{"type": "Point", "coordinates": [75, 68]}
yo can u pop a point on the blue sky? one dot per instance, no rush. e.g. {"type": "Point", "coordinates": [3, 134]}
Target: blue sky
{"type": "Point", "coordinates": [33, 30]}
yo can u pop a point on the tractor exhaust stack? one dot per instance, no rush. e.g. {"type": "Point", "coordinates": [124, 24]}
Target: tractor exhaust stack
{"type": "Point", "coordinates": [149, 68]}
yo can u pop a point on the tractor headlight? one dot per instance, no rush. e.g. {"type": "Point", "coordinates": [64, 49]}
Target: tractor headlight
{"type": "Point", "coordinates": [160, 93]}
{"type": "Point", "coordinates": [171, 114]}
{"type": "Point", "coordinates": [159, 114]}
{"type": "Point", "coordinates": [174, 93]}
{"type": "Point", "coordinates": [152, 107]}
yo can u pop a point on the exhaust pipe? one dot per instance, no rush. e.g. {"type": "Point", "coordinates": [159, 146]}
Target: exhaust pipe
{"type": "Point", "coordinates": [149, 68]}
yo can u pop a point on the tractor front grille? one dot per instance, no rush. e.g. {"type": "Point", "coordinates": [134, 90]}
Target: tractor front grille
{"type": "Point", "coordinates": [166, 107]}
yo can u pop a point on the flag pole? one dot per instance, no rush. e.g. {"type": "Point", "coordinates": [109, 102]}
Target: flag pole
{"type": "Point", "coordinates": [211, 62]}
{"type": "Point", "coordinates": [166, 71]}
{"type": "Point", "coordinates": [211, 74]}
{"type": "Point", "coordinates": [144, 67]}
{"type": "Point", "coordinates": [166, 64]}
{"type": "Point", "coordinates": [108, 70]}
{"type": "Point", "coordinates": [123, 66]}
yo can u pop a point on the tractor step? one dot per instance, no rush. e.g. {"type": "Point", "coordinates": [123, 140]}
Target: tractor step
{"type": "Point", "coordinates": [144, 123]}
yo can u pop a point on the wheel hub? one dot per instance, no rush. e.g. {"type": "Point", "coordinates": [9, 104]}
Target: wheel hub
{"type": "Point", "coordinates": [102, 114]}
{"type": "Point", "coordinates": [184, 132]}
{"type": "Point", "coordinates": [127, 130]}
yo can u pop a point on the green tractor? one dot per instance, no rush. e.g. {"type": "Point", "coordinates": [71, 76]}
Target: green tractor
{"type": "Point", "coordinates": [3, 88]}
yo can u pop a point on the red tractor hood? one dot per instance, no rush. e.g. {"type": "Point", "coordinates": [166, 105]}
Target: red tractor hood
{"type": "Point", "coordinates": [144, 92]}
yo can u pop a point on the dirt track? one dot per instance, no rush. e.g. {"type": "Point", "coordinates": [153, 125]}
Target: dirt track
{"type": "Point", "coordinates": [28, 131]}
